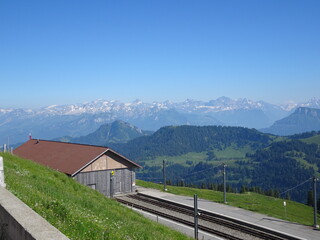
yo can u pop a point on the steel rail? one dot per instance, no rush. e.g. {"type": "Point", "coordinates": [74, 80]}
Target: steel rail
{"type": "Point", "coordinates": [180, 220]}
{"type": "Point", "coordinates": [206, 216]}
{"type": "Point", "coordinates": [235, 224]}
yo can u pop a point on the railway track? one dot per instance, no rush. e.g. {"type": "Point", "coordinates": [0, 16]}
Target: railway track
{"type": "Point", "coordinates": [222, 226]}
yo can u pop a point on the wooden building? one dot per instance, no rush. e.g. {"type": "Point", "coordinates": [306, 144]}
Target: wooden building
{"type": "Point", "coordinates": [100, 168]}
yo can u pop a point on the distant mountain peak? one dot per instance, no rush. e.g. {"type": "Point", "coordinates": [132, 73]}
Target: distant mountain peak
{"type": "Point", "coordinates": [312, 103]}
{"type": "Point", "coordinates": [303, 119]}
{"type": "Point", "coordinates": [116, 132]}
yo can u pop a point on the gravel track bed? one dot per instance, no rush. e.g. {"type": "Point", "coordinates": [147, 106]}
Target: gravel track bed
{"type": "Point", "coordinates": [190, 219]}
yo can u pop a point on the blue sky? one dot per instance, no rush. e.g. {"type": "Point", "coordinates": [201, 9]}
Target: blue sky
{"type": "Point", "coordinates": [63, 51]}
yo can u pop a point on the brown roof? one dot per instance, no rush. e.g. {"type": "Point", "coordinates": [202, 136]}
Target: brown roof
{"type": "Point", "coordinates": [69, 158]}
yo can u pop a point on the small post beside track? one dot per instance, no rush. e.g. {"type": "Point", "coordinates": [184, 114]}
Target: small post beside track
{"type": "Point", "coordinates": [315, 224]}
{"type": "Point", "coordinates": [196, 217]}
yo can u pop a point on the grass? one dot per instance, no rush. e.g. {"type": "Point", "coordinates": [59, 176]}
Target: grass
{"type": "Point", "coordinates": [315, 139]}
{"type": "Point", "coordinates": [76, 210]}
{"type": "Point", "coordinates": [306, 164]}
{"type": "Point", "coordinates": [273, 207]}
{"type": "Point", "coordinates": [233, 152]}
{"type": "Point", "coordinates": [228, 154]}
{"type": "Point", "coordinates": [182, 159]}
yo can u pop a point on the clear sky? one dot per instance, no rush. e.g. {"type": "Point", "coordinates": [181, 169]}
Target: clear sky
{"type": "Point", "coordinates": [64, 51]}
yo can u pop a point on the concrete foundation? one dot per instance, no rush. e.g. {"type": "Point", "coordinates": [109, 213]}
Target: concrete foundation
{"type": "Point", "coordinates": [20, 222]}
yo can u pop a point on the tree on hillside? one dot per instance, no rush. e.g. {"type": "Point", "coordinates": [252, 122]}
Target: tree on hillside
{"type": "Point", "coordinates": [210, 156]}
{"type": "Point", "coordinates": [310, 200]}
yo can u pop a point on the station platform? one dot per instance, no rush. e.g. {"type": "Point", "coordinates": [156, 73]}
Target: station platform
{"type": "Point", "coordinates": [289, 228]}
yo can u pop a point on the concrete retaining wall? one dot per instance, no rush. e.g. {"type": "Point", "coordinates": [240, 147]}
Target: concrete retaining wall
{"type": "Point", "coordinates": [20, 222]}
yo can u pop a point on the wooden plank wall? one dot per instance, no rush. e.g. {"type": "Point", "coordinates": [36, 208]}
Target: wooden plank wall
{"type": "Point", "coordinates": [100, 180]}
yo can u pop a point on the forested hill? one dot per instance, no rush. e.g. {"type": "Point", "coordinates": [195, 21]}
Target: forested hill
{"type": "Point", "coordinates": [194, 156]}
{"type": "Point", "coordinates": [178, 140]}
{"type": "Point", "coordinates": [304, 135]}
{"type": "Point", "coordinates": [285, 164]}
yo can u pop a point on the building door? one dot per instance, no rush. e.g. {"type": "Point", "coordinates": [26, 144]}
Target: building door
{"type": "Point", "coordinates": [118, 188]}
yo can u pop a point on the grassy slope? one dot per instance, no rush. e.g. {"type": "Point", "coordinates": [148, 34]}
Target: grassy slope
{"type": "Point", "coordinates": [233, 152]}
{"type": "Point", "coordinates": [76, 210]}
{"type": "Point", "coordinates": [295, 212]}
{"type": "Point", "coordinates": [191, 156]}
{"type": "Point", "coordinates": [315, 139]}
{"type": "Point", "coordinates": [229, 154]}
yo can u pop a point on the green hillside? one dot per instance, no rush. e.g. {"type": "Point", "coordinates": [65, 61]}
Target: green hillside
{"type": "Point", "coordinates": [194, 156]}
{"type": "Point", "coordinates": [277, 167]}
{"type": "Point", "coordinates": [179, 140]}
{"type": "Point", "coordinates": [308, 137]}
{"type": "Point", "coordinates": [273, 207]}
{"type": "Point", "coordinates": [304, 135]}
{"type": "Point", "coordinates": [76, 210]}
{"type": "Point", "coordinates": [314, 139]}
{"type": "Point", "coordinates": [189, 149]}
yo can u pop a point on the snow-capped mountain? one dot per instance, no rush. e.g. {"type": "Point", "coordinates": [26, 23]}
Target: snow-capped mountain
{"type": "Point", "coordinates": [83, 118]}
{"type": "Point", "coordinates": [137, 106]}
{"type": "Point", "coordinates": [312, 103]}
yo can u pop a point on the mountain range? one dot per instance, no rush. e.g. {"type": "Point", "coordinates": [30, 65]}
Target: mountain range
{"type": "Point", "coordinates": [76, 120]}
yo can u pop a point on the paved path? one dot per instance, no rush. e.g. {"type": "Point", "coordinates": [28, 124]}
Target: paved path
{"type": "Point", "coordinates": [294, 229]}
